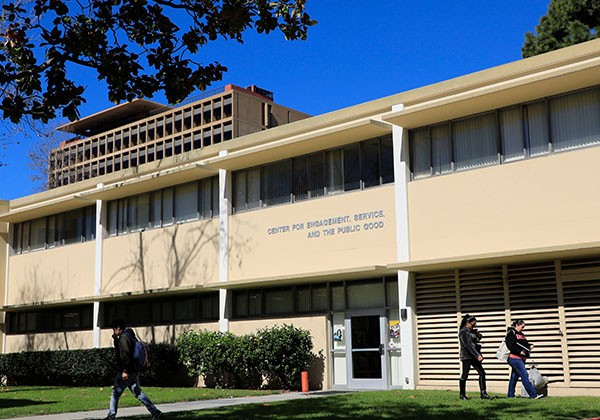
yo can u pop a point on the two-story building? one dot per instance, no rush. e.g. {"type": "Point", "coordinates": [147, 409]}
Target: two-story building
{"type": "Point", "coordinates": [375, 227]}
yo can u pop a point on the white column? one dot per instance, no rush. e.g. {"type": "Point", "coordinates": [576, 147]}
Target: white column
{"type": "Point", "coordinates": [100, 233]}
{"type": "Point", "coordinates": [405, 285]}
{"type": "Point", "coordinates": [224, 212]}
{"type": "Point", "coordinates": [9, 234]}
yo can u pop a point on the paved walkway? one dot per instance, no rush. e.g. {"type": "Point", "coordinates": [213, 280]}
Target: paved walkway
{"type": "Point", "coordinates": [183, 406]}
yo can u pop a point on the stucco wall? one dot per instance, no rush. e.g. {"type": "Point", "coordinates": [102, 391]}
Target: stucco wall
{"type": "Point", "coordinates": [74, 340]}
{"type": "Point", "coordinates": [279, 240]}
{"type": "Point", "coordinates": [180, 255]}
{"type": "Point", "coordinates": [64, 272]}
{"type": "Point", "coordinates": [539, 202]}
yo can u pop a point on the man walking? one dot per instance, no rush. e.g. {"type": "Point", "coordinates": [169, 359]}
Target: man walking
{"type": "Point", "coordinates": [127, 376]}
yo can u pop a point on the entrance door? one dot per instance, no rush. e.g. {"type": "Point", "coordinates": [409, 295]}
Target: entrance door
{"type": "Point", "coordinates": [366, 358]}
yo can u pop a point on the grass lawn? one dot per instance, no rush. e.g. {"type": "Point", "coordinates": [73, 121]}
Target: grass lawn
{"type": "Point", "coordinates": [422, 405]}
{"type": "Point", "coordinates": [425, 405]}
{"type": "Point", "coordinates": [33, 401]}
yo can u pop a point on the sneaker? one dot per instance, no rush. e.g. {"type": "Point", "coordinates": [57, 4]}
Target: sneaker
{"type": "Point", "coordinates": [157, 415]}
{"type": "Point", "coordinates": [538, 396]}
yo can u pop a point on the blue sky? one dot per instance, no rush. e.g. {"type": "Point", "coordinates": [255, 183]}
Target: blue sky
{"type": "Point", "coordinates": [359, 51]}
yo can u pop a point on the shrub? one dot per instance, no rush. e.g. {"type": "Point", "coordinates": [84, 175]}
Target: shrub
{"type": "Point", "coordinates": [285, 352]}
{"type": "Point", "coordinates": [90, 367]}
{"type": "Point", "coordinates": [271, 358]}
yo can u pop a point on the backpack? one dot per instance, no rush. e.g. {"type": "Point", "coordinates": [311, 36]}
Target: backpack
{"type": "Point", "coordinates": [140, 356]}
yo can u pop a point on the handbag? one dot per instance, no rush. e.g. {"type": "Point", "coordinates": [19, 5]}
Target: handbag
{"type": "Point", "coordinates": [502, 352]}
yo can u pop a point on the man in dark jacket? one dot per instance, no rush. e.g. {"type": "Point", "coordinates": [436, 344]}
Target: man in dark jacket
{"type": "Point", "coordinates": [127, 376]}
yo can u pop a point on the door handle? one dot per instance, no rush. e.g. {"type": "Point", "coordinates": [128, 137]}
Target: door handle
{"type": "Point", "coordinates": [381, 349]}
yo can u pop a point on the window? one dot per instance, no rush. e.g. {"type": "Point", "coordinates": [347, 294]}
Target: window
{"type": "Point", "coordinates": [575, 119]}
{"type": "Point", "coordinates": [371, 163]}
{"type": "Point", "coordinates": [182, 203]}
{"type": "Point", "coordinates": [334, 175]}
{"type": "Point", "coordinates": [279, 301]}
{"type": "Point", "coordinates": [511, 130]}
{"type": "Point", "coordinates": [70, 318]}
{"type": "Point", "coordinates": [38, 234]}
{"type": "Point", "coordinates": [168, 310]}
{"type": "Point", "coordinates": [167, 207]}
{"type": "Point", "coordinates": [362, 165]}
{"type": "Point", "coordinates": [537, 128]}
{"type": "Point", "coordinates": [276, 183]}
{"type": "Point", "coordinates": [555, 124]}
{"type": "Point", "coordinates": [475, 142]}
{"type": "Point", "coordinates": [300, 178]}
{"type": "Point", "coordinates": [315, 298]}
{"type": "Point", "coordinates": [352, 174]}
{"type": "Point", "coordinates": [46, 232]}
{"type": "Point", "coordinates": [186, 202]}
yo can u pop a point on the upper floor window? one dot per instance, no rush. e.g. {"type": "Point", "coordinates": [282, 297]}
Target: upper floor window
{"type": "Point", "coordinates": [554, 124]}
{"type": "Point", "coordinates": [59, 229]}
{"type": "Point", "coordinates": [182, 203]}
{"type": "Point", "coordinates": [357, 166]}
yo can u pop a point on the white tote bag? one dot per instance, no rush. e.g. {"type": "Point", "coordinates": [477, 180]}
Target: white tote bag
{"type": "Point", "coordinates": [502, 352]}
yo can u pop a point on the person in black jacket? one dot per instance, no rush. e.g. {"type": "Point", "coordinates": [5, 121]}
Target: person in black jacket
{"type": "Point", "coordinates": [127, 377]}
{"type": "Point", "coordinates": [470, 355]}
{"type": "Point", "coordinates": [520, 349]}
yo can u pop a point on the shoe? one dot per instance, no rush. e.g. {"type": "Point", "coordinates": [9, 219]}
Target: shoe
{"type": "Point", "coordinates": [485, 396]}
{"type": "Point", "coordinates": [464, 397]}
{"type": "Point", "coordinates": [538, 396]}
{"type": "Point", "coordinates": [157, 415]}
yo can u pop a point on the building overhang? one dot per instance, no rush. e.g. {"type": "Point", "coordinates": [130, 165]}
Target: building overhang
{"type": "Point", "coordinates": [300, 144]}
{"type": "Point", "coordinates": [581, 250]}
{"type": "Point", "coordinates": [552, 73]}
{"type": "Point", "coordinates": [151, 181]}
{"type": "Point", "coordinates": [44, 208]}
{"type": "Point", "coordinates": [354, 273]}
{"type": "Point", "coordinates": [147, 181]}
{"type": "Point", "coordinates": [99, 121]}
{"type": "Point", "coordinates": [110, 297]}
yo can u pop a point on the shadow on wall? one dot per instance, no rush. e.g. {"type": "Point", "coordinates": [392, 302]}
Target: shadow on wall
{"type": "Point", "coordinates": [179, 264]}
{"type": "Point", "coordinates": [316, 371]}
{"type": "Point", "coordinates": [41, 287]}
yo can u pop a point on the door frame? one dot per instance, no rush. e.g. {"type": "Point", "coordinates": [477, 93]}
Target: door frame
{"type": "Point", "coordinates": [378, 383]}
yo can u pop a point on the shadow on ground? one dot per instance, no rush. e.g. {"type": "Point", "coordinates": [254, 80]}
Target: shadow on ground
{"type": "Point", "coordinates": [407, 407]}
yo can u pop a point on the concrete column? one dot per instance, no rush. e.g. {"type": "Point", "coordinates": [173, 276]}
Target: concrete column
{"type": "Point", "coordinates": [405, 285]}
{"type": "Point", "coordinates": [100, 234]}
{"type": "Point", "coordinates": [224, 212]}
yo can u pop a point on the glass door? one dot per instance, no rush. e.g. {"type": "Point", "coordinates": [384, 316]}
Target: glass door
{"type": "Point", "coordinates": [366, 358]}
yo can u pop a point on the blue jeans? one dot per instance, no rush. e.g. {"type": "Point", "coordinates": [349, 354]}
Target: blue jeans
{"type": "Point", "coordinates": [133, 383]}
{"type": "Point", "coordinates": [519, 371]}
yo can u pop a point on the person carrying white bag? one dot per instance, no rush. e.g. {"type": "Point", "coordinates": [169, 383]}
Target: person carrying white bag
{"type": "Point", "coordinates": [520, 349]}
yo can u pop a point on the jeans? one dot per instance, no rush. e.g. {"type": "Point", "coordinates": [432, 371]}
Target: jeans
{"type": "Point", "coordinates": [133, 384]}
{"type": "Point", "coordinates": [519, 371]}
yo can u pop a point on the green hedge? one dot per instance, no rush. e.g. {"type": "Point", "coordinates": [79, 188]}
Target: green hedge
{"type": "Point", "coordinates": [91, 367]}
{"type": "Point", "coordinates": [270, 358]}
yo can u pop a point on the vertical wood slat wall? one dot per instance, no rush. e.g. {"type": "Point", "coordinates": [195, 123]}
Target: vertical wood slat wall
{"type": "Point", "coordinates": [559, 300]}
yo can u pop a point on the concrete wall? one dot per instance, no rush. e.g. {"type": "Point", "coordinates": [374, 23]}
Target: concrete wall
{"type": "Point", "coordinates": [279, 241]}
{"type": "Point", "coordinates": [180, 255]}
{"type": "Point", "coordinates": [539, 202]}
{"type": "Point", "coordinates": [74, 340]}
{"type": "Point", "coordinates": [64, 272]}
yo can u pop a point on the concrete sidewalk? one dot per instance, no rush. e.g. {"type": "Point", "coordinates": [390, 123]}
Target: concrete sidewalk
{"type": "Point", "coordinates": [184, 406]}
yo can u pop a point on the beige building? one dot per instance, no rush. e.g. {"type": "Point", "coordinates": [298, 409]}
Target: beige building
{"type": "Point", "coordinates": [375, 227]}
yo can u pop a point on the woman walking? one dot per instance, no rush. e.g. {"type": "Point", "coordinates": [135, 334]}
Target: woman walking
{"type": "Point", "coordinates": [519, 352]}
{"type": "Point", "coordinates": [470, 355]}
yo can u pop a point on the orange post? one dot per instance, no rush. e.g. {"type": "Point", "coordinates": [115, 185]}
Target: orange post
{"type": "Point", "coordinates": [304, 377]}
